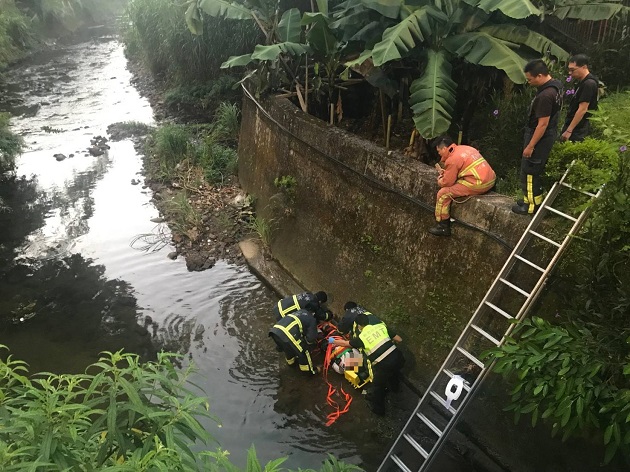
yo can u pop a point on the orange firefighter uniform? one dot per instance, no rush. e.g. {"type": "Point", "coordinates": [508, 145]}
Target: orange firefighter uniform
{"type": "Point", "coordinates": [466, 173]}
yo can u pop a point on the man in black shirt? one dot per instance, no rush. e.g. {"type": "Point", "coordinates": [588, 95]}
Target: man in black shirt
{"type": "Point", "coordinates": [577, 127]}
{"type": "Point", "coordinates": [540, 134]}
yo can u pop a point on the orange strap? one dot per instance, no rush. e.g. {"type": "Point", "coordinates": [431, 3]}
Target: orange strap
{"type": "Point", "coordinates": [332, 417]}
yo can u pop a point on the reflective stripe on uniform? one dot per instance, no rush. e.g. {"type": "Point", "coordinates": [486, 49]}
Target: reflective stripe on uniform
{"type": "Point", "coordinates": [470, 167]}
{"type": "Point", "coordinates": [289, 309]}
{"type": "Point", "coordinates": [309, 366]}
{"type": "Point", "coordinates": [384, 355]}
{"type": "Point", "coordinates": [287, 331]}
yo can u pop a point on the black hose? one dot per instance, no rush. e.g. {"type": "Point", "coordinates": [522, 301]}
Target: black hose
{"type": "Point", "coordinates": [373, 180]}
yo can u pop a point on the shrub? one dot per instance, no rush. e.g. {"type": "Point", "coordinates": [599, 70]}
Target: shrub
{"type": "Point", "coordinates": [10, 144]}
{"type": "Point", "coordinates": [595, 162]}
{"type": "Point", "coordinates": [171, 144]}
{"type": "Point", "coordinates": [16, 33]}
{"type": "Point", "coordinates": [227, 122]}
{"type": "Point", "coordinates": [156, 31]}
{"type": "Point", "coordinates": [216, 160]}
{"type": "Point", "coordinates": [613, 113]}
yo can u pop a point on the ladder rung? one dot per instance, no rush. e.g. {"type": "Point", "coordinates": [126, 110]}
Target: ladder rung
{"type": "Point", "coordinates": [416, 446]}
{"type": "Point", "coordinates": [592, 195]}
{"type": "Point", "coordinates": [488, 336]}
{"type": "Point", "coordinates": [442, 402]}
{"type": "Point", "coordinates": [428, 422]}
{"type": "Point", "coordinates": [544, 238]}
{"type": "Point", "coordinates": [470, 356]}
{"type": "Point", "coordinates": [528, 262]}
{"type": "Point", "coordinates": [500, 311]}
{"type": "Point", "coordinates": [398, 461]}
{"type": "Point", "coordinates": [564, 215]}
{"type": "Point", "coordinates": [518, 289]}
{"type": "Point", "coordinates": [451, 375]}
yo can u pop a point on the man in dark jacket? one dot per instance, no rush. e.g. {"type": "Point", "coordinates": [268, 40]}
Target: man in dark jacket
{"type": "Point", "coordinates": [384, 360]}
{"type": "Point", "coordinates": [540, 134]}
{"type": "Point", "coordinates": [347, 323]}
{"type": "Point", "coordinates": [584, 99]}
{"type": "Point", "coordinates": [312, 302]}
{"type": "Point", "coordinates": [296, 335]}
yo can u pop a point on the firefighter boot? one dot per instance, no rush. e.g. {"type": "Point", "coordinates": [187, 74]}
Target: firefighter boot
{"type": "Point", "coordinates": [522, 208]}
{"type": "Point", "coordinates": [443, 228]}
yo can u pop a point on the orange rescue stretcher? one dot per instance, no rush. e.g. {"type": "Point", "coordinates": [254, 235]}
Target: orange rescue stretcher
{"type": "Point", "coordinates": [357, 375]}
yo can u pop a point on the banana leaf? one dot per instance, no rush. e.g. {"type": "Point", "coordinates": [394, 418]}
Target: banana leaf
{"type": "Point", "coordinates": [225, 9]}
{"type": "Point", "coordinates": [289, 27]}
{"type": "Point", "coordinates": [527, 37]}
{"type": "Point", "coordinates": [432, 96]}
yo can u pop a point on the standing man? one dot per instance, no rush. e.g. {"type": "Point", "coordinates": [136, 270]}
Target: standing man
{"type": "Point", "coordinates": [296, 335]}
{"type": "Point", "coordinates": [576, 126]}
{"type": "Point", "coordinates": [465, 173]}
{"type": "Point", "coordinates": [314, 303]}
{"type": "Point", "coordinates": [539, 136]}
{"type": "Point", "coordinates": [384, 360]}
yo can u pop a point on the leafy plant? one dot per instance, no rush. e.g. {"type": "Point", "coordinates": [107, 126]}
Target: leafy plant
{"type": "Point", "coordinates": [286, 184]}
{"type": "Point", "coordinates": [184, 216]}
{"type": "Point", "coordinates": [594, 162]}
{"type": "Point", "coordinates": [216, 160]}
{"type": "Point", "coordinates": [120, 412]}
{"type": "Point", "coordinates": [10, 144]}
{"type": "Point", "coordinates": [263, 228]}
{"type": "Point", "coordinates": [227, 122]}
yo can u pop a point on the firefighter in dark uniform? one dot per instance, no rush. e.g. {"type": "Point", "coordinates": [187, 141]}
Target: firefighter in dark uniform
{"type": "Point", "coordinates": [539, 136]}
{"type": "Point", "coordinates": [313, 302]}
{"type": "Point", "coordinates": [347, 323]}
{"type": "Point", "coordinates": [296, 335]}
{"type": "Point", "coordinates": [384, 359]}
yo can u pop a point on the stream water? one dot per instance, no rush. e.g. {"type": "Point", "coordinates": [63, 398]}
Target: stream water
{"type": "Point", "coordinates": [71, 285]}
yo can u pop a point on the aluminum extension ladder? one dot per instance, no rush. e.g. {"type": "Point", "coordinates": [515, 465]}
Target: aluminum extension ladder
{"type": "Point", "coordinates": [462, 372]}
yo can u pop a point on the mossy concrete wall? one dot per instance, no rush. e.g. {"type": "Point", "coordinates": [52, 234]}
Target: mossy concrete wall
{"type": "Point", "coordinates": [342, 230]}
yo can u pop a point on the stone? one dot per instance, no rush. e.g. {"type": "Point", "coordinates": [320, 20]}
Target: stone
{"type": "Point", "coordinates": [172, 255]}
{"type": "Point", "coordinates": [158, 219]}
{"type": "Point", "coordinates": [60, 157]}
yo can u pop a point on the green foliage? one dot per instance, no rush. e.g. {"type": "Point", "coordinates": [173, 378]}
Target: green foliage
{"type": "Point", "coordinates": [10, 144]}
{"type": "Point", "coordinates": [368, 241]}
{"type": "Point", "coordinates": [559, 376]}
{"type": "Point", "coordinates": [263, 228]}
{"type": "Point", "coordinates": [158, 35]}
{"type": "Point", "coordinates": [594, 162]}
{"type": "Point", "coordinates": [119, 413]}
{"type": "Point", "coordinates": [16, 33]}
{"type": "Point", "coordinates": [201, 95]}
{"type": "Point", "coordinates": [171, 145]}
{"type": "Point", "coordinates": [216, 160]}
{"type": "Point", "coordinates": [286, 184]}
{"type": "Point", "coordinates": [183, 215]}
{"type": "Point", "coordinates": [227, 122]}
{"type": "Point", "coordinates": [610, 122]}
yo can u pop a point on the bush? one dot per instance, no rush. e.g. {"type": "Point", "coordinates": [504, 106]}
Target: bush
{"type": "Point", "coordinates": [216, 160]}
{"type": "Point", "coordinates": [16, 33]}
{"type": "Point", "coordinates": [201, 95]}
{"type": "Point", "coordinates": [613, 113]}
{"type": "Point", "coordinates": [121, 415]}
{"type": "Point", "coordinates": [595, 162]}
{"type": "Point", "coordinates": [10, 144]}
{"type": "Point", "coordinates": [156, 32]}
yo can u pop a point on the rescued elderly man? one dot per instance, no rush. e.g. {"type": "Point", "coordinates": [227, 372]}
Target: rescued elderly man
{"type": "Point", "coordinates": [465, 173]}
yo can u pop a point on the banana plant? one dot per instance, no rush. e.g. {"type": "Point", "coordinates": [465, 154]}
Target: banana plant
{"type": "Point", "coordinates": [290, 35]}
{"type": "Point", "coordinates": [435, 33]}
{"type": "Point", "coordinates": [591, 10]}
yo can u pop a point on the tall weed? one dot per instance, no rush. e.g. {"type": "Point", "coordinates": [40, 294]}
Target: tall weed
{"type": "Point", "coordinates": [157, 30]}
{"type": "Point", "coordinates": [10, 144]}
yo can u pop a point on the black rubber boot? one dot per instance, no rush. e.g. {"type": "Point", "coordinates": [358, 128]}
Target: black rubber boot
{"type": "Point", "coordinates": [443, 228]}
{"type": "Point", "coordinates": [522, 208]}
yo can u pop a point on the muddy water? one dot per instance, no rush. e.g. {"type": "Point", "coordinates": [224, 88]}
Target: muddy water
{"type": "Point", "coordinates": [72, 285]}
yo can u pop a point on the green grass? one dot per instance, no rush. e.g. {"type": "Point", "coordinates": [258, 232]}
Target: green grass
{"type": "Point", "coordinates": [227, 122]}
{"type": "Point", "coordinates": [183, 215]}
{"type": "Point", "coordinates": [263, 228]}
{"type": "Point", "coordinates": [216, 160]}
{"type": "Point", "coordinates": [16, 33]}
{"type": "Point", "coordinates": [10, 144]}
{"type": "Point", "coordinates": [156, 32]}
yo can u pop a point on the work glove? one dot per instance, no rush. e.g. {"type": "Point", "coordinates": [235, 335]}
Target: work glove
{"type": "Point", "coordinates": [331, 340]}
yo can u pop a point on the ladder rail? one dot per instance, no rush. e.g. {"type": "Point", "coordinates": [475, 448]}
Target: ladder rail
{"type": "Point", "coordinates": [458, 346]}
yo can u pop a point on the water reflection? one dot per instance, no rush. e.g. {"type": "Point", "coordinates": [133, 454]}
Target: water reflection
{"type": "Point", "coordinates": [55, 306]}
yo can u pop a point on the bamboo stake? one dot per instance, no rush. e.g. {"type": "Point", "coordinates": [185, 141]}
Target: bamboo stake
{"type": "Point", "coordinates": [332, 114]}
{"type": "Point", "coordinates": [300, 97]}
{"type": "Point", "coordinates": [383, 119]}
{"type": "Point", "coordinates": [413, 137]}
{"type": "Point", "coordinates": [389, 131]}
{"type": "Point", "coordinates": [306, 85]}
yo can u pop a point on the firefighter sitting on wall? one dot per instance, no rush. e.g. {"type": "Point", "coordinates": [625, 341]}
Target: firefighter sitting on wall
{"type": "Point", "coordinates": [312, 302]}
{"type": "Point", "coordinates": [384, 359]}
{"type": "Point", "coordinates": [465, 173]}
{"type": "Point", "coordinates": [296, 335]}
